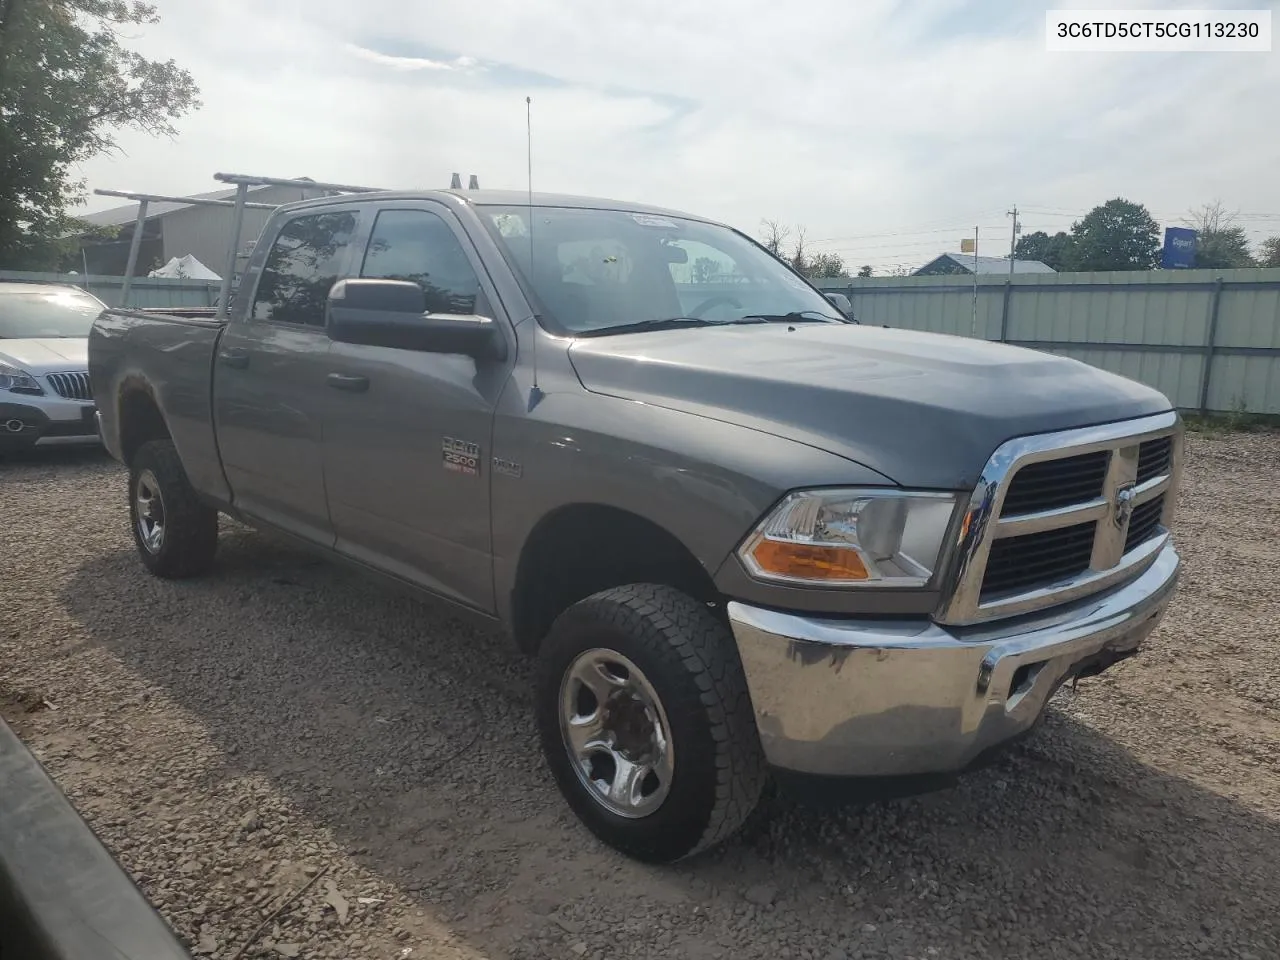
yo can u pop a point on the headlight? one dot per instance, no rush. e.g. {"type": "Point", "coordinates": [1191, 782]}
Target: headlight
{"type": "Point", "coordinates": [882, 538]}
{"type": "Point", "coordinates": [18, 381]}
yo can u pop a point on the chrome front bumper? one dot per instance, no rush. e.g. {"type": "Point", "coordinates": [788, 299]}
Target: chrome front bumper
{"type": "Point", "coordinates": [895, 698]}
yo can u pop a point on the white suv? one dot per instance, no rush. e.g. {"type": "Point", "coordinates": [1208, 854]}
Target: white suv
{"type": "Point", "coordinates": [45, 396]}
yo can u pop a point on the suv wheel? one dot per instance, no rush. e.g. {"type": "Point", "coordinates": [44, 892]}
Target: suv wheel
{"type": "Point", "coordinates": [646, 722]}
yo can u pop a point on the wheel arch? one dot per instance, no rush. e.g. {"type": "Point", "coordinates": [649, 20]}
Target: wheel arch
{"type": "Point", "coordinates": [140, 418]}
{"type": "Point", "coordinates": [579, 549]}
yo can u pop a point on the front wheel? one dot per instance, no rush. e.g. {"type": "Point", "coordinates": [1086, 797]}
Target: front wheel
{"type": "Point", "coordinates": [176, 534]}
{"type": "Point", "coordinates": [646, 722]}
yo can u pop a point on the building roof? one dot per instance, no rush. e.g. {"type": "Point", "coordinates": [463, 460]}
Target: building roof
{"type": "Point", "coordinates": [988, 264]}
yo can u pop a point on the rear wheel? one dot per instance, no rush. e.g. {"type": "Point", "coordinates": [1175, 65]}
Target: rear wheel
{"type": "Point", "coordinates": [176, 534]}
{"type": "Point", "coordinates": [646, 722]}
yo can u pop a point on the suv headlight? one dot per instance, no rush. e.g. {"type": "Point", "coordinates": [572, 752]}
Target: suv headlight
{"type": "Point", "coordinates": [838, 538]}
{"type": "Point", "coordinates": [18, 381]}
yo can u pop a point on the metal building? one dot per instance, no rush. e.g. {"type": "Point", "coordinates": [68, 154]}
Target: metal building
{"type": "Point", "coordinates": [179, 230]}
{"type": "Point", "coordinates": [966, 263]}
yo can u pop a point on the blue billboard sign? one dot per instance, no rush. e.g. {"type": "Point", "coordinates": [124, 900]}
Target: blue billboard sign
{"type": "Point", "coordinates": [1179, 252]}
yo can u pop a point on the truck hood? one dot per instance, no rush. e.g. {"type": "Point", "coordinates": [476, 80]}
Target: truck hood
{"type": "Point", "coordinates": [925, 410]}
{"type": "Point", "coordinates": [47, 354]}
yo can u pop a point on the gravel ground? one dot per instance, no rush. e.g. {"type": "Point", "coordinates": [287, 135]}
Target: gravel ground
{"type": "Point", "coordinates": [281, 721]}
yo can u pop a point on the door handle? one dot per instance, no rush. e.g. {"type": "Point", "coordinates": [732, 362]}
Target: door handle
{"type": "Point", "coordinates": [342, 381]}
{"type": "Point", "coordinates": [237, 359]}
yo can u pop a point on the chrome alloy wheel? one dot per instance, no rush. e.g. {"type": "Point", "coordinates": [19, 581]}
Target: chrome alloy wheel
{"type": "Point", "coordinates": [149, 506]}
{"type": "Point", "coordinates": [616, 733]}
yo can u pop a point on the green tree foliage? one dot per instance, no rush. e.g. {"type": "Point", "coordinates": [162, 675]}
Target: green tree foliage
{"type": "Point", "coordinates": [1118, 235]}
{"type": "Point", "coordinates": [1220, 243]}
{"type": "Point", "coordinates": [864, 270]}
{"type": "Point", "coordinates": [825, 266]}
{"type": "Point", "coordinates": [1269, 252]}
{"type": "Point", "coordinates": [67, 87]}
{"type": "Point", "coordinates": [1054, 251]}
{"type": "Point", "coordinates": [1224, 249]}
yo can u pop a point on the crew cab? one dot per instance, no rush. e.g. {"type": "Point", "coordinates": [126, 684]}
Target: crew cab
{"type": "Point", "coordinates": [744, 537]}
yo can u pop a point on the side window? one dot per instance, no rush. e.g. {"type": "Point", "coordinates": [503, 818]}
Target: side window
{"type": "Point", "coordinates": [303, 263]}
{"type": "Point", "coordinates": [703, 264]}
{"type": "Point", "coordinates": [703, 274]}
{"type": "Point", "coordinates": [418, 246]}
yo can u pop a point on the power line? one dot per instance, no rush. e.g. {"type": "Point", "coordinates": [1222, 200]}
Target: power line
{"type": "Point", "coordinates": [927, 226]}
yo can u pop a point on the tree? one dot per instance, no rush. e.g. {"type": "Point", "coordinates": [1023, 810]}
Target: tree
{"type": "Point", "coordinates": [822, 265]}
{"type": "Point", "coordinates": [1054, 251]}
{"type": "Point", "coordinates": [1118, 235]}
{"type": "Point", "coordinates": [705, 269]}
{"type": "Point", "coordinates": [1220, 242]}
{"type": "Point", "coordinates": [825, 266]}
{"type": "Point", "coordinates": [864, 270]}
{"type": "Point", "coordinates": [799, 256]}
{"type": "Point", "coordinates": [775, 237]}
{"type": "Point", "coordinates": [67, 86]}
{"type": "Point", "coordinates": [1269, 252]}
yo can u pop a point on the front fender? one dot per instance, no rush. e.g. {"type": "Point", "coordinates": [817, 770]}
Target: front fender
{"type": "Point", "coordinates": [704, 481]}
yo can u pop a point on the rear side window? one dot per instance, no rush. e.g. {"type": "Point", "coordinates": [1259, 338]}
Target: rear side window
{"type": "Point", "coordinates": [418, 246]}
{"type": "Point", "coordinates": [303, 263]}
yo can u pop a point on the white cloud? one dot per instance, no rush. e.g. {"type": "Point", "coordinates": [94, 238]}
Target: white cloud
{"type": "Point", "coordinates": [409, 63]}
{"type": "Point", "coordinates": [877, 118]}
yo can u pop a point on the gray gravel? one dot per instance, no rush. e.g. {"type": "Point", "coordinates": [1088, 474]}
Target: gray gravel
{"type": "Point", "coordinates": [234, 738]}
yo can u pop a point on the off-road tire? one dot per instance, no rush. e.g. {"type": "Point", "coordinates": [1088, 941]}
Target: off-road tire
{"type": "Point", "coordinates": [688, 654]}
{"type": "Point", "coordinates": [190, 526]}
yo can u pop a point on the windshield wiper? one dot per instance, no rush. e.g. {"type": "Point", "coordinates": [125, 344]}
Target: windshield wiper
{"type": "Point", "coordinates": [642, 326]}
{"type": "Point", "coordinates": [795, 316]}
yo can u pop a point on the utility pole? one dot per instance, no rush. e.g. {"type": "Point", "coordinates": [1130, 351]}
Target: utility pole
{"type": "Point", "coordinates": [973, 328]}
{"type": "Point", "coordinates": [1013, 234]}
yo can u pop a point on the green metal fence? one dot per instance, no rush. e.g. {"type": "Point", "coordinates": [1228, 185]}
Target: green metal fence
{"type": "Point", "coordinates": [144, 291]}
{"type": "Point", "coordinates": [1208, 339]}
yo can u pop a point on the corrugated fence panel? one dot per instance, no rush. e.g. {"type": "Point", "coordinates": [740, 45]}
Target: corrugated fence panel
{"type": "Point", "coordinates": [1152, 326]}
{"type": "Point", "coordinates": [143, 292]}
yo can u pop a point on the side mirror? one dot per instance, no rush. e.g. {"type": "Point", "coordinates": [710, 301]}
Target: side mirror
{"type": "Point", "coordinates": [393, 313]}
{"type": "Point", "coordinates": [841, 303]}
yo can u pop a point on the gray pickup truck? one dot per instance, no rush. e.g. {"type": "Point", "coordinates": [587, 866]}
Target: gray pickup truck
{"type": "Point", "coordinates": [746, 538]}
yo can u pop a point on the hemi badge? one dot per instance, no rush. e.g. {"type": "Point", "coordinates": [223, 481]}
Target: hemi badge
{"type": "Point", "coordinates": [461, 456]}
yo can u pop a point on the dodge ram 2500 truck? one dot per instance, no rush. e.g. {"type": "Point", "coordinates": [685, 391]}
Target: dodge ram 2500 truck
{"type": "Point", "coordinates": [743, 536]}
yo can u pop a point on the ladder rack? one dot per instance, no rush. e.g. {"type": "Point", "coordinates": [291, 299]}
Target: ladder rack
{"type": "Point", "coordinates": [242, 183]}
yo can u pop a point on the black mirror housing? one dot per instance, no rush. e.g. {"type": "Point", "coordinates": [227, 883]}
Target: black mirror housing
{"type": "Point", "coordinates": [384, 296]}
{"type": "Point", "coordinates": [841, 303]}
{"type": "Point", "coordinates": [392, 313]}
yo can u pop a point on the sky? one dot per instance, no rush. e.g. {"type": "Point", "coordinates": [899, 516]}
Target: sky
{"type": "Point", "coordinates": [885, 130]}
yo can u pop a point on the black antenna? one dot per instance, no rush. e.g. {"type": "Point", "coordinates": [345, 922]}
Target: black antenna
{"type": "Point", "coordinates": [535, 394]}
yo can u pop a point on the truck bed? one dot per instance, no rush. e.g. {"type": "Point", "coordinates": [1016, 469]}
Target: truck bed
{"type": "Point", "coordinates": [167, 356]}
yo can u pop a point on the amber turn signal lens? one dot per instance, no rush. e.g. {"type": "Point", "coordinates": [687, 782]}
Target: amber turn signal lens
{"type": "Point", "coordinates": [808, 561]}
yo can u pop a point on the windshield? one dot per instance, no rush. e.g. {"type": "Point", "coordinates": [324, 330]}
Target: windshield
{"type": "Point", "coordinates": [597, 271]}
{"type": "Point", "coordinates": [45, 312]}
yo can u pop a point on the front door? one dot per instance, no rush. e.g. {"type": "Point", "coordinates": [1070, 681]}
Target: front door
{"type": "Point", "coordinates": [269, 377]}
{"type": "Point", "coordinates": [407, 434]}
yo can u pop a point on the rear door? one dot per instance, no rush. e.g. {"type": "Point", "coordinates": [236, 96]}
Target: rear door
{"type": "Point", "coordinates": [407, 434]}
{"type": "Point", "coordinates": [269, 376]}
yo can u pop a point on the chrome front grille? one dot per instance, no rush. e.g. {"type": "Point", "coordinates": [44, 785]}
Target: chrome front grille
{"type": "Point", "coordinates": [73, 386]}
{"type": "Point", "coordinates": [1059, 516]}
{"type": "Point", "coordinates": [1056, 483]}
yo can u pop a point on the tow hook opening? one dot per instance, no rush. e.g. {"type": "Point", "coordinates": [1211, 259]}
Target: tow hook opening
{"type": "Point", "coordinates": [1023, 678]}
{"type": "Point", "coordinates": [1021, 683]}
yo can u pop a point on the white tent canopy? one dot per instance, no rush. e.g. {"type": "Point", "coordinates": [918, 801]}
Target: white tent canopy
{"type": "Point", "coordinates": [187, 268]}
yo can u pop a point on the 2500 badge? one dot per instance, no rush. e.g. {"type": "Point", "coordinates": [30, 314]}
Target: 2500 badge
{"type": "Point", "coordinates": [461, 456]}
